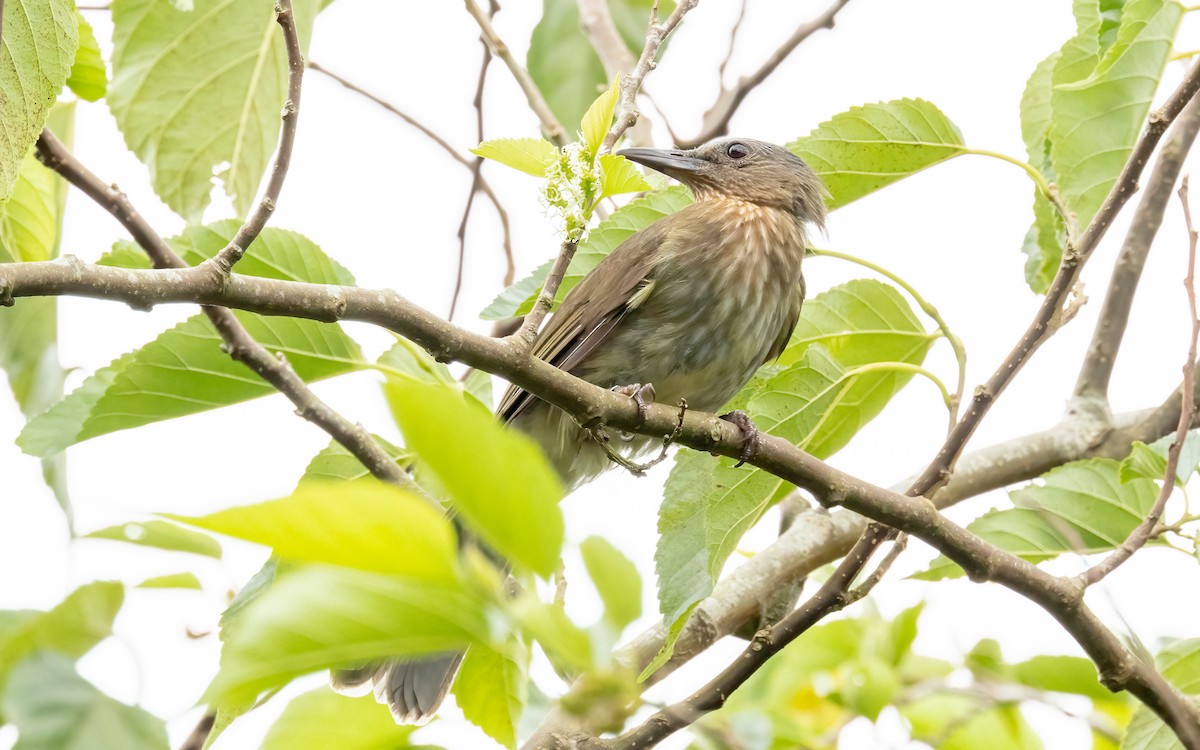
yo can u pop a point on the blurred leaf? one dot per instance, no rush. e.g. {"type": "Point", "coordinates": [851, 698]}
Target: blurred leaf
{"type": "Point", "coordinates": [72, 628]}
{"type": "Point", "coordinates": [868, 685]}
{"type": "Point", "coordinates": [594, 125]}
{"type": "Point", "coordinates": [479, 384]}
{"type": "Point", "coordinates": [1101, 94]}
{"type": "Point", "coordinates": [172, 581]}
{"type": "Point", "coordinates": [818, 402]}
{"type": "Point", "coordinates": [866, 148]}
{"type": "Point", "coordinates": [1082, 507]}
{"type": "Point", "coordinates": [1179, 662]}
{"type": "Point", "coordinates": [568, 647]}
{"type": "Point", "coordinates": [319, 617]}
{"type": "Point", "coordinates": [162, 535]}
{"type": "Point", "coordinates": [562, 61]}
{"type": "Point", "coordinates": [1002, 726]}
{"type": "Point", "coordinates": [406, 360]}
{"type": "Point", "coordinates": [370, 526]}
{"type": "Point", "coordinates": [518, 299]}
{"type": "Point", "coordinates": [54, 708]}
{"type": "Point", "coordinates": [88, 79]}
{"type": "Point", "coordinates": [528, 155]}
{"type": "Point", "coordinates": [491, 689]}
{"type": "Point", "coordinates": [902, 632]}
{"type": "Point", "coordinates": [184, 370]}
{"type": "Point", "coordinates": [40, 38]}
{"type": "Point", "coordinates": [505, 489]}
{"type": "Point", "coordinates": [1062, 674]}
{"type": "Point", "coordinates": [620, 176]}
{"type": "Point", "coordinates": [185, 119]}
{"type": "Point", "coordinates": [336, 464]}
{"type": "Point", "coordinates": [323, 719]}
{"type": "Point", "coordinates": [930, 716]}
{"type": "Point", "coordinates": [616, 580]}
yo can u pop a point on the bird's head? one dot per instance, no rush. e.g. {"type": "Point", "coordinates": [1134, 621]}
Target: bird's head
{"type": "Point", "coordinates": [745, 170]}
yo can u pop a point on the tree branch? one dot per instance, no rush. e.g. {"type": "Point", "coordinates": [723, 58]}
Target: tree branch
{"type": "Point", "coordinates": [537, 103]}
{"type": "Point", "coordinates": [716, 119]}
{"type": "Point", "coordinates": [627, 112]}
{"type": "Point", "coordinates": [1146, 529]}
{"type": "Point", "coordinates": [250, 229]}
{"type": "Point", "coordinates": [1101, 356]}
{"type": "Point", "coordinates": [526, 335]}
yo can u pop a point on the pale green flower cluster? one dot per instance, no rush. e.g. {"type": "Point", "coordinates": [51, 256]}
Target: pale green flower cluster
{"type": "Point", "coordinates": [571, 190]}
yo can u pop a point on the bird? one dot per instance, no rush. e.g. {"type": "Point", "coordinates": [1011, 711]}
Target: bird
{"type": "Point", "coordinates": [685, 310]}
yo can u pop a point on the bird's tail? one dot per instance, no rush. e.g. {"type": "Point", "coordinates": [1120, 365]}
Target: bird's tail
{"type": "Point", "coordinates": [412, 689]}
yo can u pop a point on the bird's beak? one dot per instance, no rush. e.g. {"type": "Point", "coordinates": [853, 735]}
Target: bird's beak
{"type": "Point", "coordinates": [673, 163]}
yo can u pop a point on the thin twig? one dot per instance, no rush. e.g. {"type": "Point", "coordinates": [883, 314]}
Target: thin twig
{"type": "Point", "coordinates": [1096, 371]}
{"type": "Point", "coordinates": [537, 103]}
{"type": "Point", "coordinates": [526, 335]}
{"type": "Point", "coordinates": [1146, 529]}
{"type": "Point", "coordinates": [716, 119]}
{"type": "Point", "coordinates": [476, 167]}
{"type": "Point", "coordinates": [483, 185]}
{"type": "Point", "coordinates": [250, 229]}
{"type": "Point", "coordinates": [627, 112]}
{"type": "Point", "coordinates": [733, 35]}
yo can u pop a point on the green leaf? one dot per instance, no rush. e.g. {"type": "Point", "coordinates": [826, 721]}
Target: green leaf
{"type": "Point", "coordinates": [567, 646]}
{"type": "Point", "coordinates": [370, 526]}
{"type": "Point", "coordinates": [868, 685]}
{"type": "Point", "coordinates": [1062, 674]}
{"type": "Point", "coordinates": [40, 37]}
{"type": "Point", "coordinates": [88, 79]}
{"type": "Point", "coordinates": [323, 719]}
{"type": "Point", "coordinates": [491, 689]}
{"type": "Point", "coordinates": [1179, 662]}
{"type": "Point", "coordinates": [1150, 461]}
{"type": "Point", "coordinates": [1002, 726]}
{"type": "Point", "coordinates": [866, 148]}
{"type": "Point", "coordinates": [336, 464]}
{"type": "Point", "coordinates": [616, 580]}
{"type": "Point", "coordinates": [1101, 96]}
{"type": "Point", "coordinates": [818, 401]}
{"type": "Point", "coordinates": [1047, 236]}
{"type": "Point", "coordinates": [54, 708]}
{"type": "Point", "coordinates": [319, 617]}
{"type": "Point", "coordinates": [30, 226]}
{"type": "Point", "coordinates": [184, 371]}
{"type": "Point", "coordinates": [72, 628]}
{"type": "Point", "coordinates": [161, 535]}
{"type": "Point", "coordinates": [620, 176]}
{"type": "Point", "coordinates": [506, 491]}
{"type": "Point", "coordinates": [172, 581]}
{"type": "Point", "coordinates": [184, 117]}
{"type": "Point", "coordinates": [406, 360]}
{"type": "Point", "coordinates": [1082, 507]}
{"type": "Point", "coordinates": [595, 122]}
{"type": "Point", "coordinates": [518, 299]}
{"type": "Point", "coordinates": [902, 631]}
{"type": "Point", "coordinates": [528, 155]}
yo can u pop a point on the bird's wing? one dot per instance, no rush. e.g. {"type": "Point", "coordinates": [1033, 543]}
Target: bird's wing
{"type": "Point", "coordinates": [618, 284]}
{"type": "Point", "coordinates": [789, 325]}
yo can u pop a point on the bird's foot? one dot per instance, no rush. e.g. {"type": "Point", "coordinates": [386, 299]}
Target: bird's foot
{"type": "Point", "coordinates": [751, 435]}
{"type": "Point", "coordinates": [642, 395]}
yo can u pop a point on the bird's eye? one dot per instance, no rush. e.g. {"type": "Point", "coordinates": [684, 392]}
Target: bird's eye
{"type": "Point", "coordinates": [737, 150]}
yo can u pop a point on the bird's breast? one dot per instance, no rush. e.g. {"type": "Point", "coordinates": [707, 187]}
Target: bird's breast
{"type": "Point", "coordinates": [722, 293]}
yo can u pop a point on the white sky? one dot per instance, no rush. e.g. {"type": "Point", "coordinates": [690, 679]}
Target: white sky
{"type": "Point", "coordinates": [381, 199]}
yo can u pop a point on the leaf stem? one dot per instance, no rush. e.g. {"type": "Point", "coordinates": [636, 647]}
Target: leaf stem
{"type": "Point", "coordinates": [960, 351]}
{"type": "Point", "coordinates": [1044, 186]}
{"type": "Point", "coordinates": [947, 397]}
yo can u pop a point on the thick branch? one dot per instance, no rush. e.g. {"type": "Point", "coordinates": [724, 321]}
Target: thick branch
{"type": "Point", "coordinates": [537, 103]}
{"type": "Point", "coordinates": [250, 229]}
{"type": "Point", "coordinates": [1097, 367]}
{"type": "Point", "coordinates": [627, 112]}
{"type": "Point", "coordinates": [716, 119]}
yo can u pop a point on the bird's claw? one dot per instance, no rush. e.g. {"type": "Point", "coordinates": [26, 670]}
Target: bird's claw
{"type": "Point", "coordinates": [751, 435]}
{"type": "Point", "coordinates": [642, 395]}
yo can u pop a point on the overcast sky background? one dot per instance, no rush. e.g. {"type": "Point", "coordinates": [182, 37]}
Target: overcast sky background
{"type": "Point", "coordinates": [376, 195]}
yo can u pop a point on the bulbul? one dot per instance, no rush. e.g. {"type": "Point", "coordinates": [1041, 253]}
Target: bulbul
{"type": "Point", "coordinates": [688, 308]}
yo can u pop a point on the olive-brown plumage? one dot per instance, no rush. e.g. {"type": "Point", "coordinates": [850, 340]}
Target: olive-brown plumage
{"type": "Point", "coordinates": [694, 304]}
